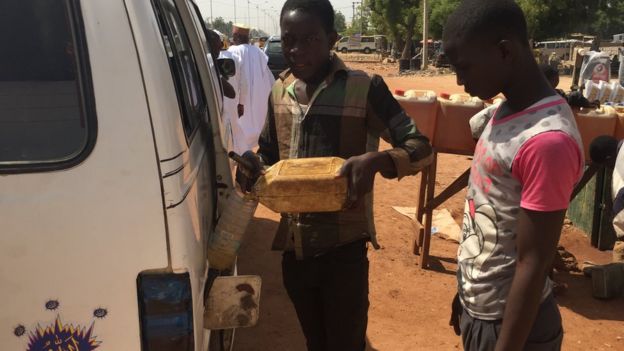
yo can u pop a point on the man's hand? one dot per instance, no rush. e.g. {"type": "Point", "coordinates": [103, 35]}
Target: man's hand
{"type": "Point", "coordinates": [241, 110]}
{"type": "Point", "coordinates": [247, 175]}
{"type": "Point", "coordinates": [360, 173]}
{"type": "Point", "coordinates": [228, 89]}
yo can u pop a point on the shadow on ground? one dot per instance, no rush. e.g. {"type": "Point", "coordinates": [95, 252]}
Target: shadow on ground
{"type": "Point", "coordinates": [578, 299]}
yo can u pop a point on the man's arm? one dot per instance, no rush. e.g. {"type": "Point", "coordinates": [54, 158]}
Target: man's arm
{"type": "Point", "coordinates": [547, 166]}
{"type": "Point", "coordinates": [268, 150]}
{"type": "Point", "coordinates": [538, 235]}
{"type": "Point", "coordinates": [410, 154]}
{"type": "Point", "coordinates": [243, 83]}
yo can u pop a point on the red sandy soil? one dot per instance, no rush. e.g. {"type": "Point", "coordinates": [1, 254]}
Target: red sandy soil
{"type": "Point", "coordinates": [410, 306]}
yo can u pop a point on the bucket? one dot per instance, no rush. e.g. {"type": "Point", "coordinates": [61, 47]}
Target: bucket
{"type": "Point", "coordinates": [415, 64]}
{"type": "Point", "coordinates": [404, 65]}
{"type": "Point", "coordinates": [452, 133]}
{"type": "Point", "coordinates": [422, 107]}
{"type": "Point", "coordinates": [303, 185]}
{"type": "Point", "coordinates": [593, 123]}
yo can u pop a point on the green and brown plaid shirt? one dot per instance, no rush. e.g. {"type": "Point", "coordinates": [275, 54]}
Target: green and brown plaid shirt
{"type": "Point", "coordinates": [348, 113]}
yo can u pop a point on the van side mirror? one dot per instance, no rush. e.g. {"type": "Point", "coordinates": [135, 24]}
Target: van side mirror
{"type": "Point", "coordinates": [226, 66]}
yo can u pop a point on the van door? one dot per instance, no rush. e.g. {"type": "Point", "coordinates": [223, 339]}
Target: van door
{"type": "Point", "coordinates": [81, 204]}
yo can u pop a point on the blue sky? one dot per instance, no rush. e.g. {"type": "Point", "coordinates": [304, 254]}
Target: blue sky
{"type": "Point", "coordinates": [263, 14]}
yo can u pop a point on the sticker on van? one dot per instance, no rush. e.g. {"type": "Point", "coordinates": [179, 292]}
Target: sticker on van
{"type": "Point", "coordinates": [62, 337]}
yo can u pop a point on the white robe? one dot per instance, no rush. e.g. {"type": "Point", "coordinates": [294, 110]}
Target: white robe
{"type": "Point", "coordinates": [254, 87]}
{"type": "Point", "coordinates": [236, 138]}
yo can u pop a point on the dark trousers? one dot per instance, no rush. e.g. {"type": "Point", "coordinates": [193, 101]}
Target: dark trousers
{"type": "Point", "coordinates": [330, 294]}
{"type": "Point", "coordinates": [546, 333]}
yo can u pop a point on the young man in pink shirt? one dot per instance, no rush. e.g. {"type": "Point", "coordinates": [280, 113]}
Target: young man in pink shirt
{"type": "Point", "coordinates": [526, 163]}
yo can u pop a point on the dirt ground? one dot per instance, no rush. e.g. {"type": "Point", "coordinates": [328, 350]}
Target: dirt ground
{"type": "Point", "coordinates": [410, 306]}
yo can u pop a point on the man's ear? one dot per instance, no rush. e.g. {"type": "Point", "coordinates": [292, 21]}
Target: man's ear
{"type": "Point", "coordinates": [332, 39]}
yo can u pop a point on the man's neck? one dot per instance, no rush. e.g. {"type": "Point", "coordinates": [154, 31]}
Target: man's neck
{"type": "Point", "coordinates": [527, 87]}
{"type": "Point", "coordinates": [320, 76]}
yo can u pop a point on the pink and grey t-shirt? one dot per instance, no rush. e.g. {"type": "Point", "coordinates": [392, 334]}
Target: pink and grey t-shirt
{"type": "Point", "coordinates": [531, 160]}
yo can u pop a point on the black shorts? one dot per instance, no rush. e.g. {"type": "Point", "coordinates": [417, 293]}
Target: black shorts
{"type": "Point", "coordinates": [546, 333]}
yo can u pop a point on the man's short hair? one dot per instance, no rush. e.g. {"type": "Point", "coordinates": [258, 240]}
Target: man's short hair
{"type": "Point", "coordinates": [212, 35]}
{"type": "Point", "coordinates": [322, 9]}
{"type": "Point", "coordinates": [487, 19]}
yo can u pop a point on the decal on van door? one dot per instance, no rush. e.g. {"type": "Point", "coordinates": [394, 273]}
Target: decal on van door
{"type": "Point", "coordinates": [59, 336]}
{"type": "Point", "coordinates": [62, 337]}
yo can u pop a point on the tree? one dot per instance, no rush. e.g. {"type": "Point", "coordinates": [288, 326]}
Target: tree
{"type": "Point", "coordinates": [222, 26]}
{"type": "Point", "coordinates": [340, 23]}
{"type": "Point", "coordinates": [360, 22]}
{"type": "Point", "coordinates": [398, 18]}
{"type": "Point", "coordinates": [440, 11]}
{"type": "Point", "coordinates": [257, 33]}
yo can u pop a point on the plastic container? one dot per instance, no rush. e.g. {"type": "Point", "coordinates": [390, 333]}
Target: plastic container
{"type": "Point", "coordinates": [224, 244]}
{"type": "Point", "coordinates": [465, 98]}
{"type": "Point", "coordinates": [303, 185]}
{"type": "Point", "coordinates": [593, 123]}
{"type": "Point", "coordinates": [592, 91]}
{"type": "Point", "coordinates": [605, 92]}
{"type": "Point", "coordinates": [619, 125]}
{"type": "Point", "coordinates": [422, 107]}
{"type": "Point", "coordinates": [452, 133]}
{"type": "Point", "coordinates": [617, 93]}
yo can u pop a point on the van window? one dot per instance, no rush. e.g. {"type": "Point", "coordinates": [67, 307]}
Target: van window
{"type": "Point", "coordinates": [368, 39]}
{"type": "Point", "coordinates": [183, 67]}
{"type": "Point", "coordinates": [344, 40]}
{"type": "Point", "coordinates": [43, 118]}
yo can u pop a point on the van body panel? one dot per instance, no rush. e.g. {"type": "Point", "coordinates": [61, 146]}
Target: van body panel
{"type": "Point", "coordinates": [189, 169]}
{"type": "Point", "coordinates": [75, 236]}
{"type": "Point", "coordinates": [163, 102]}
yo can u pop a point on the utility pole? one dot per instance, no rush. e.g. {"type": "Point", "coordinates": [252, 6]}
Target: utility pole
{"type": "Point", "coordinates": [211, 19]}
{"type": "Point", "coordinates": [361, 18]}
{"type": "Point", "coordinates": [234, 11]}
{"type": "Point", "coordinates": [258, 19]}
{"type": "Point", "coordinates": [353, 18]}
{"type": "Point", "coordinates": [425, 50]}
{"type": "Point", "coordinates": [248, 15]}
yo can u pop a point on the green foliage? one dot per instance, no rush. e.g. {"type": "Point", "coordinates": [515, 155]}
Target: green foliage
{"type": "Point", "coordinates": [397, 19]}
{"type": "Point", "coordinates": [226, 28]}
{"type": "Point", "coordinates": [440, 10]}
{"type": "Point", "coordinates": [546, 19]}
{"type": "Point", "coordinates": [361, 22]}
{"type": "Point", "coordinates": [220, 25]}
{"type": "Point", "coordinates": [340, 23]}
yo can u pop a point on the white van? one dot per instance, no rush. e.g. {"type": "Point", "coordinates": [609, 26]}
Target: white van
{"type": "Point", "coordinates": [365, 44]}
{"type": "Point", "coordinates": [112, 169]}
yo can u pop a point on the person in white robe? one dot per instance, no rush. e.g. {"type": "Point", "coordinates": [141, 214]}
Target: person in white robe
{"type": "Point", "coordinates": [255, 81]}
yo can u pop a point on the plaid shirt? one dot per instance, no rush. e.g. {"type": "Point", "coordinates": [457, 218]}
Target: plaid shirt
{"type": "Point", "coordinates": [345, 117]}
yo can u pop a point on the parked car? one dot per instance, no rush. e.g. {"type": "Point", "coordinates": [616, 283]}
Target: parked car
{"type": "Point", "coordinates": [113, 173]}
{"type": "Point", "coordinates": [277, 61]}
{"type": "Point", "coordinates": [365, 44]}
